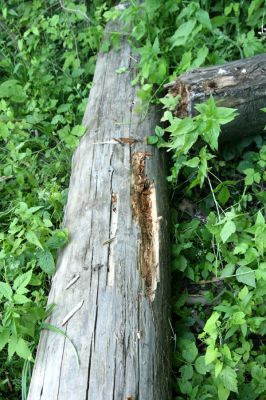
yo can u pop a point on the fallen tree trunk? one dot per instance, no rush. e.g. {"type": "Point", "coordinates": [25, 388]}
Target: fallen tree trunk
{"type": "Point", "coordinates": [111, 287]}
{"type": "Point", "coordinates": [238, 84]}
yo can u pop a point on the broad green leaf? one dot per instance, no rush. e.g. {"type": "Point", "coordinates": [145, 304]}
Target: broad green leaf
{"type": "Point", "coordinates": [200, 365]}
{"type": "Point", "coordinates": [228, 378]}
{"type": "Point", "coordinates": [12, 343]}
{"type": "Point", "coordinates": [3, 130]}
{"type": "Point", "coordinates": [210, 326]}
{"type": "Point", "coordinates": [12, 90]}
{"type": "Point", "coordinates": [180, 37]}
{"type": "Point", "coordinates": [32, 238]}
{"type": "Point", "coordinates": [186, 372]}
{"type": "Point", "coordinates": [4, 337]}
{"type": "Point", "coordinates": [204, 19]}
{"type": "Point", "coordinates": [179, 263]}
{"type": "Point", "coordinates": [228, 229]}
{"type": "Point", "coordinates": [46, 261]}
{"type": "Point", "coordinates": [223, 392]}
{"type": "Point", "coordinates": [78, 130]}
{"type": "Point", "coordinates": [190, 351]}
{"type": "Point", "coordinates": [6, 290]}
{"type": "Point", "coordinates": [246, 275]}
{"type": "Point", "coordinates": [218, 368]}
{"type": "Point", "coordinates": [22, 281]}
{"type": "Point", "coordinates": [20, 299]}
{"type": "Point", "coordinates": [211, 355]}
{"type": "Point", "coordinates": [228, 270]}
{"type": "Point", "coordinates": [23, 350]}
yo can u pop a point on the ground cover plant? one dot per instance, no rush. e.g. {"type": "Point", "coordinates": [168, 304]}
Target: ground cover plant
{"type": "Point", "coordinates": [218, 222]}
{"type": "Point", "coordinates": [47, 57]}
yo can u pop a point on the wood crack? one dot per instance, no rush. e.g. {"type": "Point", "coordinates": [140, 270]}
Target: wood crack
{"type": "Point", "coordinates": [143, 200]}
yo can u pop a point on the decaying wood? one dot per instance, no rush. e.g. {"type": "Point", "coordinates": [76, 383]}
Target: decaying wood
{"type": "Point", "coordinates": [238, 84]}
{"type": "Point", "coordinates": [116, 312]}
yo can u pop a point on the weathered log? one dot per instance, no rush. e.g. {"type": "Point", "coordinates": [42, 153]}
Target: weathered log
{"type": "Point", "coordinates": [114, 273]}
{"type": "Point", "coordinates": [239, 84]}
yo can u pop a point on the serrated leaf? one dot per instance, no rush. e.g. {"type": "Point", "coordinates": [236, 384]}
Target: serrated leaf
{"type": "Point", "coordinates": [78, 130]}
{"type": "Point", "coordinates": [229, 379]}
{"type": "Point", "coordinates": [246, 275]}
{"type": "Point", "coordinates": [228, 229]}
{"type": "Point", "coordinates": [22, 280]}
{"type": "Point", "coordinates": [4, 336]}
{"type": "Point", "coordinates": [6, 290]}
{"type": "Point", "coordinates": [189, 351]}
{"type": "Point", "coordinates": [22, 349]}
{"type": "Point", "coordinates": [186, 372]}
{"type": "Point", "coordinates": [20, 299]}
{"type": "Point", "coordinates": [211, 355]}
{"type": "Point", "coordinates": [32, 238]}
{"type": "Point", "coordinates": [46, 261]}
{"type": "Point", "coordinates": [200, 365]}
{"type": "Point", "coordinates": [218, 368]}
{"type": "Point", "coordinates": [223, 393]}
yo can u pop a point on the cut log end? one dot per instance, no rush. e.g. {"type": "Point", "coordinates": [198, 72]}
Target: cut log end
{"type": "Point", "coordinates": [239, 84]}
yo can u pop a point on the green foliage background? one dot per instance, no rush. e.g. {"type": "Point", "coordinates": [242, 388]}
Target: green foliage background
{"type": "Point", "coordinates": [47, 61]}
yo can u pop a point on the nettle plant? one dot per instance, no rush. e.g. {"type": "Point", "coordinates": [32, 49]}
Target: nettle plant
{"type": "Point", "coordinates": [221, 252]}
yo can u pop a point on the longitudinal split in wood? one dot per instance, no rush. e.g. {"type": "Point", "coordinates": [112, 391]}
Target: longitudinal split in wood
{"type": "Point", "coordinates": [113, 229]}
{"type": "Point", "coordinates": [145, 213]}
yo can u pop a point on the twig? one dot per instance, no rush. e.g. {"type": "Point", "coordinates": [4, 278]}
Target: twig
{"type": "Point", "coordinates": [72, 312]}
{"type": "Point", "coordinates": [74, 280]}
{"type": "Point", "coordinates": [109, 240]}
{"type": "Point", "coordinates": [62, 4]}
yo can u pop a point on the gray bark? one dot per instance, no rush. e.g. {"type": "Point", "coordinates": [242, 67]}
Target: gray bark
{"type": "Point", "coordinates": [116, 215]}
{"type": "Point", "coordinates": [239, 84]}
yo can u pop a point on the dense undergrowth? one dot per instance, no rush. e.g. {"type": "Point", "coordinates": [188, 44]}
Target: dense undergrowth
{"type": "Point", "coordinates": [219, 199]}
{"type": "Point", "coordinates": [47, 57]}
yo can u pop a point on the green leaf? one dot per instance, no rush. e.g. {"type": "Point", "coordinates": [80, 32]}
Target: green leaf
{"type": "Point", "coordinates": [204, 19]}
{"type": "Point", "coordinates": [121, 70]}
{"type": "Point", "coordinates": [32, 238]}
{"type": "Point", "coordinates": [189, 351]}
{"type": "Point", "coordinates": [211, 326]}
{"type": "Point", "coordinates": [218, 368]}
{"type": "Point", "coordinates": [246, 275]}
{"type": "Point", "coordinates": [152, 139]}
{"type": "Point", "coordinates": [193, 162]}
{"type": "Point", "coordinates": [228, 378]}
{"type": "Point", "coordinates": [200, 365]}
{"type": "Point", "coordinates": [6, 290]}
{"type": "Point", "coordinates": [186, 372]}
{"type": "Point", "coordinates": [12, 90]}
{"type": "Point", "coordinates": [46, 261]}
{"type": "Point", "coordinates": [211, 355]}
{"type": "Point", "coordinates": [20, 299]}
{"type": "Point", "coordinates": [22, 281]}
{"type": "Point", "coordinates": [4, 337]}
{"type": "Point", "coordinates": [228, 229]}
{"type": "Point", "coordinates": [3, 130]}
{"type": "Point", "coordinates": [180, 37]}
{"type": "Point", "coordinates": [22, 349]}
{"type": "Point", "coordinates": [223, 393]}
{"type": "Point", "coordinates": [179, 263]}
{"type": "Point", "coordinates": [78, 130]}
